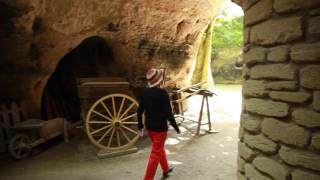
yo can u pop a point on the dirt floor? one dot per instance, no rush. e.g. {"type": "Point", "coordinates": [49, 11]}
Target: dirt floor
{"type": "Point", "coordinates": [205, 157]}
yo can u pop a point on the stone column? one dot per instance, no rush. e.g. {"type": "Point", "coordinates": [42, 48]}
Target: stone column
{"type": "Point", "coordinates": [280, 123]}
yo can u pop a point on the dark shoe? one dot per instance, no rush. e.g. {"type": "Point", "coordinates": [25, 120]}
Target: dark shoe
{"type": "Point", "coordinates": [166, 174]}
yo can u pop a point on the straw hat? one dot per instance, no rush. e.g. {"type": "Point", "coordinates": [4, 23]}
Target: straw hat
{"type": "Point", "coordinates": [154, 77]}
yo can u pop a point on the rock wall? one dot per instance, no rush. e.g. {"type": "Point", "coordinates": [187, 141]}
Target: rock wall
{"type": "Point", "coordinates": [280, 121]}
{"type": "Point", "coordinates": [36, 34]}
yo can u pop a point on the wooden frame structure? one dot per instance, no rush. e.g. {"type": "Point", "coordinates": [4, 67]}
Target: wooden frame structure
{"type": "Point", "coordinates": [178, 101]}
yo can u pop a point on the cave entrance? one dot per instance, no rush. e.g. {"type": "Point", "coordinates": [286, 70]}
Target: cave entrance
{"type": "Point", "coordinates": [91, 58]}
{"type": "Point", "coordinates": [227, 47]}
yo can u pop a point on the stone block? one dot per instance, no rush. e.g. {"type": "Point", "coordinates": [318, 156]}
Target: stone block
{"type": "Point", "coordinates": [293, 97]}
{"type": "Point", "coordinates": [266, 107]}
{"type": "Point", "coordinates": [260, 11]}
{"type": "Point", "coordinates": [241, 133]}
{"type": "Point", "coordinates": [306, 117]}
{"type": "Point", "coordinates": [245, 152]}
{"type": "Point", "coordinates": [305, 52]}
{"type": "Point", "coordinates": [255, 55]}
{"type": "Point", "coordinates": [278, 54]}
{"type": "Point", "coordinates": [282, 85]}
{"type": "Point", "coordinates": [314, 26]}
{"type": "Point", "coordinates": [273, 71]}
{"type": "Point", "coordinates": [241, 176]}
{"type": "Point", "coordinates": [250, 123]}
{"type": "Point", "coordinates": [271, 167]}
{"type": "Point", "coordinates": [246, 35]}
{"type": "Point", "coordinates": [261, 143]}
{"type": "Point", "coordinates": [285, 132]}
{"type": "Point", "coordinates": [273, 31]}
{"type": "Point", "coordinates": [241, 163]}
{"type": "Point", "coordinates": [254, 174]}
{"type": "Point", "coordinates": [245, 72]}
{"type": "Point", "coordinates": [315, 142]}
{"type": "Point", "coordinates": [282, 6]}
{"type": "Point", "coordinates": [248, 3]}
{"type": "Point", "coordinates": [302, 158]}
{"type": "Point", "coordinates": [304, 175]}
{"type": "Point", "coordinates": [309, 77]}
{"type": "Point", "coordinates": [254, 88]}
{"type": "Point", "coordinates": [316, 100]}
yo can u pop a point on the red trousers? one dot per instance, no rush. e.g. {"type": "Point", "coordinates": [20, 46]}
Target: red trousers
{"type": "Point", "coordinates": [157, 155]}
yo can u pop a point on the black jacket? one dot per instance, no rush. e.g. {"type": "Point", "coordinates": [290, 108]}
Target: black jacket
{"type": "Point", "coordinates": [156, 105]}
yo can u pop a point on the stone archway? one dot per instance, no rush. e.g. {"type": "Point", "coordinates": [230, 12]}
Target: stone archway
{"type": "Point", "coordinates": [91, 58]}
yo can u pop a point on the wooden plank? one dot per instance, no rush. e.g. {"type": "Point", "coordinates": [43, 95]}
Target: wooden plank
{"type": "Point", "coordinates": [97, 92]}
{"type": "Point", "coordinates": [15, 111]}
{"type": "Point", "coordinates": [3, 140]}
{"type": "Point", "coordinates": [200, 117]}
{"type": "Point", "coordinates": [100, 79]}
{"type": "Point", "coordinates": [192, 86]}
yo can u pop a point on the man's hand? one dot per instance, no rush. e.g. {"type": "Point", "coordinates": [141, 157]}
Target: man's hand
{"type": "Point", "coordinates": [140, 132]}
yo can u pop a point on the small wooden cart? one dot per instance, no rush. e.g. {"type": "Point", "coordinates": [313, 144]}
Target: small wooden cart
{"type": "Point", "coordinates": [20, 134]}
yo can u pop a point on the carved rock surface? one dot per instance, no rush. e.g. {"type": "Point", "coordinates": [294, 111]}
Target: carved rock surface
{"type": "Point", "coordinates": [141, 34]}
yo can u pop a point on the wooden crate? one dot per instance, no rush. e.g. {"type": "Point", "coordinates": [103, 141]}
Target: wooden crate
{"type": "Point", "coordinates": [92, 89]}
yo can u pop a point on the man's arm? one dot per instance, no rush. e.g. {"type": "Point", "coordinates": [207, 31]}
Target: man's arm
{"type": "Point", "coordinates": [140, 112]}
{"type": "Point", "coordinates": [169, 113]}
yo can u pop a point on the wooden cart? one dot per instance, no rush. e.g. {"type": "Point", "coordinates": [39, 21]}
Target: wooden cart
{"type": "Point", "coordinates": [109, 110]}
{"type": "Point", "coordinates": [19, 134]}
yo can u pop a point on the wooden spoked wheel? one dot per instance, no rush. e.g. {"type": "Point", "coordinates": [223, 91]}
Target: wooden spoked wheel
{"type": "Point", "coordinates": [111, 122]}
{"type": "Point", "coordinates": [19, 146]}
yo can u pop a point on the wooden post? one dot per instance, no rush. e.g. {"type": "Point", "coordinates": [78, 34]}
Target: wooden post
{"type": "Point", "coordinates": [208, 113]}
{"type": "Point", "coordinates": [65, 130]}
{"type": "Point", "coordinates": [180, 104]}
{"type": "Point", "coordinates": [200, 116]}
{"type": "Point", "coordinates": [209, 118]}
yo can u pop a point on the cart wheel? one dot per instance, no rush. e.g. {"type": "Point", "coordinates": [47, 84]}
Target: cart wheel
{"type": "Point", "coordinates": [111, 122]}
{"type": "Point", "coordinates": [19, 147]}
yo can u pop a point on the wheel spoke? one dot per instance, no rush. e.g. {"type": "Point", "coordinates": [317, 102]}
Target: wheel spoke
{"type": "Point", "coordinates": [129, 129]}
{"type": "Point", "coordinates": [19, 152]}
{"type": "Point", "coordinates": [105, 117]}
{"type": "Point", "coordinates": [130, 123]}
{"type": "Point", "coordinates": [98, 130]}
{"type": "Point", "coordinates": [105, 134]}
{"type": "Point", "coordinates": [99, 122]}
{"type": "Point", "coordinates": [111, 136]}
{"type": "Point", "coordinates": [107, 109]}
{"type": "Point", "coordinates": [121, 106]}
{"type": "Point", "coordinates": [20, 141]}
{"type": "Point", "coordinates": [124, 134]}
{"type": "Point", "coordinates": [128, 117]}
{"type": "Point", "coordinates": [114, 107]}
{"type": "Point", "coordinates": [118, 137]}
{"type": "Point", "coordinates": [128, 109]}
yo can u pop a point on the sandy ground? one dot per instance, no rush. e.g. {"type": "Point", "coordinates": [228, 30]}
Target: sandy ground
{"type": "Point", "coordinates": [205, 157]}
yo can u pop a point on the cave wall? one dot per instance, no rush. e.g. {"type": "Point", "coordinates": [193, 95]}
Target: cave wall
{"type": "Point", "coordinates": [280, 121]}
{"type": "Point", "coordinates": [36, 34]}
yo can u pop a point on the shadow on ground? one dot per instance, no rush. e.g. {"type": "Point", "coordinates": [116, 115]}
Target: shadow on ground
{"type": "Point", "coordinates": [205, 157]}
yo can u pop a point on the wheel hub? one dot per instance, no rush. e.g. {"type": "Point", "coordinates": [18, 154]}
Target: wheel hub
{"type": "Point", "coordinates": [117, 124]}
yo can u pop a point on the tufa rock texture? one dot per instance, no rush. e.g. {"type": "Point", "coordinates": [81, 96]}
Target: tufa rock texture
{"type": "Point", "coordinates": [35, 35]}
